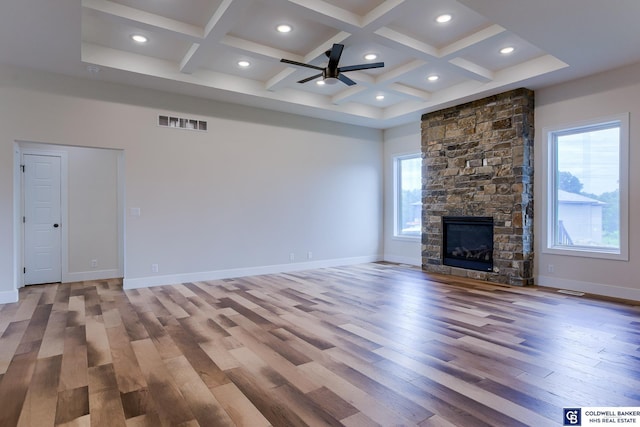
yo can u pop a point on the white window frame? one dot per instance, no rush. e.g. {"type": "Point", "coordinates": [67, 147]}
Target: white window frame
{"type": "Point", "coordinates": [397, 195]}
{"type": "Point", "coordinates": [549, 168]}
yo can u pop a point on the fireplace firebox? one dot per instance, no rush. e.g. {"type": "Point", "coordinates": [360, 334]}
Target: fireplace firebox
{"type": "Point", "coordinates": [467, 242]}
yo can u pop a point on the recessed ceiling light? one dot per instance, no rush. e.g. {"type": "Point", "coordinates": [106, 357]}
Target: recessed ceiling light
{"type": "Point", "coordinates": [139, 38]}
{"type": "Point", "coordinates": [433, 78]}
{"type": "Point", "coordinates": [284, 28]}
{"type": "Point", "coordinates": [244, 64]}
{"type": "Point", "coordinates": [443, 18]}
{"type": "Point", "coordinates": [507, 50]}
{"type": "Point", "coordinates": [370, 56]}
{"type": "Point", "coordinates": [379, 97]}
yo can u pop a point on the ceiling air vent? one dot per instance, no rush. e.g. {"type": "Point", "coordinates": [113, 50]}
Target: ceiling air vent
{"type": "Point", "coordinates": [182, 123]}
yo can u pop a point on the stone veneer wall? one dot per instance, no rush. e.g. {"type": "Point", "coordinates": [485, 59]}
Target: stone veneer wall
{"type": "Point", "coordinates": [478, 161]}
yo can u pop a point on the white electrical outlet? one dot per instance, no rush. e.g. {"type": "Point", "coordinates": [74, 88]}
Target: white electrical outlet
{"type": "Point", "coordinates": [154, 268]}
{"type": "Point", "coordinates": [292, 257]}
{"type": "Point", "coordinates": [309, 255]}
{"type": "Point", "coordinates": [551, 268]}
{"type": "Point", "coordinates": [94, 263]}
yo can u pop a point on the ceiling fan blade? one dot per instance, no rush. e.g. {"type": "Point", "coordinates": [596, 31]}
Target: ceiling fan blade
{"type": "Point", "coordinates": [334, 56]}
{"type": "Point", "coordinates": [308, 79]}
{"type": "Point", "coordinates": [346, 80]}
{"type": "Point", "coordinates": [361, 67]}
{"type": "Point", "coordinates": [301, 64]}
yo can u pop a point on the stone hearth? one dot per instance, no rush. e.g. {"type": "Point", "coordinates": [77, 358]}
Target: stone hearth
{"type": "Point", "coordinates": [478, 161]}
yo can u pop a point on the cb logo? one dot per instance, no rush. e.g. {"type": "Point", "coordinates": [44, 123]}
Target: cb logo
{"type": "Point", "coordinates": [572, 417]}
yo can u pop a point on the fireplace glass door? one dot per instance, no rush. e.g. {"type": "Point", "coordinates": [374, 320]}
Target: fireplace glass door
{"type": "Point", "coordinates": [468, 242]}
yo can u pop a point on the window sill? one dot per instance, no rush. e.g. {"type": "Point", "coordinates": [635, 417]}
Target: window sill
{"type": "Point", "coordinates": [416, 239]}
{"type": "Point", "coordinates": [588, 253]}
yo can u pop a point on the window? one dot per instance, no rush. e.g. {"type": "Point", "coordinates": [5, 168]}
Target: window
{"type": "Point", "coordinates": [408, 195]}
{"type": "Point", "coordinates": [587, 186]}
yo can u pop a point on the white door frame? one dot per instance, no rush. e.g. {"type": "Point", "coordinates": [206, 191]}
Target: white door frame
{"type": "Point", "coordinates": [28, 147]}
{"type": "Point", "coordinates": [64, 197]}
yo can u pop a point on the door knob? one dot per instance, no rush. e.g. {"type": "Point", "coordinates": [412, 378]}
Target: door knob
{"type": "Point", "coordinates": [56, 225]}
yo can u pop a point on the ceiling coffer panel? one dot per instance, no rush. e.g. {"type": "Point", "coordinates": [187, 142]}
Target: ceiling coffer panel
{"type": "Point", "coordinates": [392, 60]}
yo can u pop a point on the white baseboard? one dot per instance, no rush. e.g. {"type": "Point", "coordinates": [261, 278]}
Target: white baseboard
{"type": "Point", "coordinates": [403, 260]}
{"type": "Point", "coordinates": [591, 288]}
{"type": "Point", "coordinates": [172, 279]}
{"type": "Point", "coordinates": [91, 275]}
{"type": "Point", "coordinates": [9, 296]}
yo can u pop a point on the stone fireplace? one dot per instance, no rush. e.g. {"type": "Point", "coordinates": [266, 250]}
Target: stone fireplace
{"type": "Point", "coordinates": [478, 162]}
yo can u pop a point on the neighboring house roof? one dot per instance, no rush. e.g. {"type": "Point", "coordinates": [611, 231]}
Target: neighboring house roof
{"type": "Point", "coordinates": [566, 197]}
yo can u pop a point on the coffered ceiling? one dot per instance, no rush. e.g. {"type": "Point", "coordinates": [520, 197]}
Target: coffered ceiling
{"type": "Point", "coordinates": [194, 47]}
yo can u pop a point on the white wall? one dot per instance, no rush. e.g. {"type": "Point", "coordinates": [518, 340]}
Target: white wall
{"type": "Point", "coordinates": [238, 199]}
{"type": "Point", "coordinates": [398, 141]}
{"type": "Point", "coordinates": [602, 95]}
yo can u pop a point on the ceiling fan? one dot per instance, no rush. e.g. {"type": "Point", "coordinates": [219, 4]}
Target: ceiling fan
{"type": "Point", "coordinates": [332, 73]}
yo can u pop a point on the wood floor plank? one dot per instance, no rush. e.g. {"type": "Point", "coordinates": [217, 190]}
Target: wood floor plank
{"type": "Point", "coordinates": [39, 408]}
{"type": "Point", "coordinates": [53, 339]}
{"type": "Point", "coordinates": [362, 345]}
{"type": "Point", "coordinates": [14, 387]}
{"type": "Point", "coordinates": [239, 407]}
{"type": "Point", "coordinates": [275, 410]}
{"type": "Point", "coordinates": [354, 395]}
{"type": "Point", "coordinates": [98, 350]}
{"type": "Point", "coordinates": [75, 367]}
{"type": "Point", "coordinates": [164, 344]}
{"type": "Point", "coordinates": [264, 349]}
{"type": "Point", "coordinates": [205, 407]}
{"type": "Point", "coordinates": [218, 352]}
{"type": "Point", "coordinates": [10, 341]}
{"type": "Point", "coordinates": [72, 404]}
{"type": "Point", "coordinates": [128, 373]}
{"type": "Point", "coordinates": [169, 402]}
{"type": "Point", "coordinates": [104, 397]}
{"type": "Point", "coordinates": [76, 312]}
{"type": "Point", "coordinates": [208, 371]}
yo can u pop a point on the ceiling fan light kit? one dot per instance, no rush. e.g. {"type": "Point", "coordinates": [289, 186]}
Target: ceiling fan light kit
{"type": "Point", "coordinates": [332, 73]}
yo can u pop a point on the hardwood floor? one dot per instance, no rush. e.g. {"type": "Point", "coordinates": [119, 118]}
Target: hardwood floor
{"type": "Point", "coordinates": [366, 345]}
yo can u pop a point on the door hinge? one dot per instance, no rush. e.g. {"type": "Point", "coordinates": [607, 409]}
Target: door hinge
{"type": "Point", "coordinates": [24, 270]}
{"type": "Point", "coordinates": [22, 167]}
{"type": "Point", "coordinates": [24, 219]}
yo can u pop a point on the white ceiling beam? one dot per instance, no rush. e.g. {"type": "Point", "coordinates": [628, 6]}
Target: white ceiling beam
{"type": "Point", "coordinates": [347, 94]}
{"type": "Point", "coordinates": [383, 14]}
{"type": "Point", "coordinates": [407, 44]}
{"type": "Point", "coordinates": [145, 20]}
{"type": "Point", "coordinates": [329, 14]}
{"type": "Point", "coordinates": [532, 68]}
{"type": "Point", "coordinates": [469, 41]}
{"type": "Point", "coordinates": [398, 72]}
{"type": "Point", "coordinates": [187, 59]}
{"type": "Point", "coordinates": [279, 80]}
{"type": "Point", "coordinates": [259, 50]}
{"type": "Point", "coordinates": [421, 95]}
{"type": "Point", "coordinates": [218, 26]}
{"type": "Point", "coordinates": [361, 78]}
{"type": "Point", "coordinates": [129, 61]}
{"type": "Point", "coordinates": [472, 70]}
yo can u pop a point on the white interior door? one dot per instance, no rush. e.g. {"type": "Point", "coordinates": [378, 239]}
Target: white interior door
{"type": "Point", "coordinates": [42, 219]}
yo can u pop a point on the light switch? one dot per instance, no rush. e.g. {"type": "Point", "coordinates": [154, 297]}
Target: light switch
{"type": "Point", "coordinates": [135, 211]}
